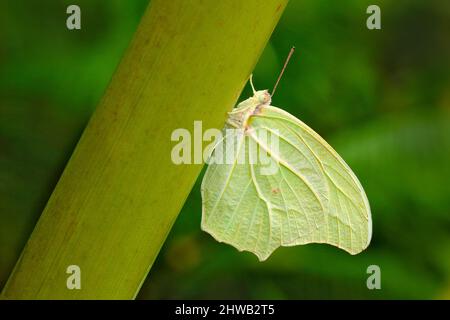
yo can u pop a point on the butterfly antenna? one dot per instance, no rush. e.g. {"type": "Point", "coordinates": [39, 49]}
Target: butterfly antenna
{"type": "Point", "coordinates": [291, 52]}
{"type": "Point", "coordinates": [251, 83]}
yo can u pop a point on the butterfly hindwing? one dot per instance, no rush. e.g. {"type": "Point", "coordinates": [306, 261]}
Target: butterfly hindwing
{"type": "Point", "coordinates": [347, 219]}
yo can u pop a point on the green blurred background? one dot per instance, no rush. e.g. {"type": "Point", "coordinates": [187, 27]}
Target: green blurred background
{"type": "Point", "coordinates": [380, 97]}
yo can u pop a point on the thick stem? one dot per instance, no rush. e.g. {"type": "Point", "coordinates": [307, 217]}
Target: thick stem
{"type": "Point", "coordinates": [120, 192]}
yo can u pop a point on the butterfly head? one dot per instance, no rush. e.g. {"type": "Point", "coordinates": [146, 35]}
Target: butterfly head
{"type": "Point", "coordinates": [262, 96]}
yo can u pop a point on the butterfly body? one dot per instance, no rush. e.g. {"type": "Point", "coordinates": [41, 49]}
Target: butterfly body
{"type": "Point", "coordinates": [238, 118]}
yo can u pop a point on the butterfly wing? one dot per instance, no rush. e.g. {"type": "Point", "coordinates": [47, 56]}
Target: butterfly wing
{"type": "Point", "coordinates": [312, 196]}
{"type": "Point", "coordinates": [347, 218]}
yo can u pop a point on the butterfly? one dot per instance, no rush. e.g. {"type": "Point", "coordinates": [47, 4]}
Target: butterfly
{"type": "Point", "coordinates": [309, 195]}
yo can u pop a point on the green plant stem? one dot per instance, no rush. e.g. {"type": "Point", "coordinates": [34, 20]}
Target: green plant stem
{"type": "Point", "coordinates": [120, 193]}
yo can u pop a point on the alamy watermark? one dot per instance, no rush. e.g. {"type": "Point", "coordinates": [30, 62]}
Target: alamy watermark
{"type": "Point", "coordinates": [73, 281]}
{"type": "Point", "coordinates": [73, 21]}
{"type": "Point", "coordinates": [231, 146]}
{"type": "Point", "coordinates": [374, 280]}
{"type": "Point", "coordinates": [374, 20]}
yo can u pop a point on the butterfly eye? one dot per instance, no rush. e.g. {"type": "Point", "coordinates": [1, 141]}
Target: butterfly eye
{"type": "Point", "coordinates": [263, 97]}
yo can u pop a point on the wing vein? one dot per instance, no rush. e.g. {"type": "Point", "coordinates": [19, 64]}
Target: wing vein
{"type": "Point", "coordinates": [287, 166]}
{"type": "Point", "coordinates": [227, 181]}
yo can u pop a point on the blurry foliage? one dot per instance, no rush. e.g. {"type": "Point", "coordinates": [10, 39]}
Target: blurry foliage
{"type": "Point", "coordinates": [380, 97]}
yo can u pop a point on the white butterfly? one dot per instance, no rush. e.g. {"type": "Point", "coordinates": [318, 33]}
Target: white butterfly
{"type": "Point", "coordinates": [312, 197]}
